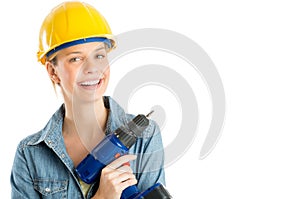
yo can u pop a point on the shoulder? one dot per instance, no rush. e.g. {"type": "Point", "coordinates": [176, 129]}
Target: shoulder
{"type": "Point", "coordinates": [51, 129]}
{"type": "Point", "coordinates": [29, 140]}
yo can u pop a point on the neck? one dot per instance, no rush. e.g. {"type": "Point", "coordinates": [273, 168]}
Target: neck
{"type": "Point", "coordinates": [86, 120]}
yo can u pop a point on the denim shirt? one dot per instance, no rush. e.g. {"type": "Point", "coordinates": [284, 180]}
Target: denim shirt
{"type": "Point", "coordinates": [42, 167]}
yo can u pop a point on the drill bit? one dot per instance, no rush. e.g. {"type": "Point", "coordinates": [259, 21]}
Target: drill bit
{"type": "Point", "coordinates": [149, 114]}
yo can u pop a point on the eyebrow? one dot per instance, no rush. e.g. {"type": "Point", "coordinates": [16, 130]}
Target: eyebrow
{"type": "Point", "coordinates": [100, 48]}
{"type": "Point", "coordinates": [79, 52]}
{"type": "Point", "coordinates": [75, 52]}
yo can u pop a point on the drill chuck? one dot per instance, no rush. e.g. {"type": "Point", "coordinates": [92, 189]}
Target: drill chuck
{"type": "Point", "coordinates": [135, 128]}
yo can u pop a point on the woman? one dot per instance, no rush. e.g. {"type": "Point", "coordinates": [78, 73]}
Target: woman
{"type": "Point", "coordinates": [73, 46]}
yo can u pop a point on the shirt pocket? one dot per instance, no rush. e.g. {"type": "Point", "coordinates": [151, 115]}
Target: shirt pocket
{"type": "Point", "coordinates": [51, 188]}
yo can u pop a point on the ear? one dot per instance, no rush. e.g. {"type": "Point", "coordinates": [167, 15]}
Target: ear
{"type": "Point", "coordinates": [52, 72]}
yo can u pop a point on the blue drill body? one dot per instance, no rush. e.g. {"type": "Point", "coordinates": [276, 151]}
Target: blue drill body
{"type": "Point", "coordinates": [112, 147]}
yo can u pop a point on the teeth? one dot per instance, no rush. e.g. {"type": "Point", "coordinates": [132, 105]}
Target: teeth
{"type": "Point", "coordinates": [90, 83]}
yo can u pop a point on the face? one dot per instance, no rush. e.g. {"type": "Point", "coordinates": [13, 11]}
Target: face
{"type": "Point", "coordinates": [82, 71]}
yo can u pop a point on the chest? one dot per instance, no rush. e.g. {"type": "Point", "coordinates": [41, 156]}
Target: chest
{"type": "Point", "coordinates": [75, 149]}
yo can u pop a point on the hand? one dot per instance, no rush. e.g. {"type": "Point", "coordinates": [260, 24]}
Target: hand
{"type": "Point", "coordinates": [116, 177]}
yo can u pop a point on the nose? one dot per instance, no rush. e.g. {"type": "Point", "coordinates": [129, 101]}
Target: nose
{"type": "Point", "coordinates": [91, 67]}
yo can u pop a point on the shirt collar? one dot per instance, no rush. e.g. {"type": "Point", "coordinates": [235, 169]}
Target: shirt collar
{"type": "Point", "coordinates": [116, 116]}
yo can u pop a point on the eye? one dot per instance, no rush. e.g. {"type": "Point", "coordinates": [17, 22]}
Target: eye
{"type": "Point", "coordinates": [100, 56]}
{"type": "Point", "coordinates": [75, 59]}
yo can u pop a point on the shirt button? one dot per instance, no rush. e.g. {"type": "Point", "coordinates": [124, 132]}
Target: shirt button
{"type": "Point", "coordinates": [47, 189]}
{"type": "Point", "coordinates": [63, 155]}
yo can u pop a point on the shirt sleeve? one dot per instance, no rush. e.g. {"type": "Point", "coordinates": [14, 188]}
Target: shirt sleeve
{"type": "Point", "coordinates": [21, 182]}
{"type": "Point", "coordinates": [150, 158]}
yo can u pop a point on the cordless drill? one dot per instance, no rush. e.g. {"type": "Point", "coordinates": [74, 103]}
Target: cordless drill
{"type": "Point", "coordinates": [110, 148]}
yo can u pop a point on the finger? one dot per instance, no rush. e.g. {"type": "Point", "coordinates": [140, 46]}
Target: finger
{"type": "Point", "coordinates": [125, 168]}
{"type": "Point", "coordinates": [127, 183]}
{"type": "Point", "coordinates": [125, 176]}
{"type": "Point", "coordinates": [121, 160]}
{"type": "Point", "coordinates": [118, 171]}
{"type": "Point", "coordinates": [110, 173]}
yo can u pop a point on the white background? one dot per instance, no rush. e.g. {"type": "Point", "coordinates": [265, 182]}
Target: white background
{"type": "Point", "coordinates": [255, 46]}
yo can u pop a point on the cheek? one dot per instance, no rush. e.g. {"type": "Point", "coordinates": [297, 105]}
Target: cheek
{"type": "Point", "coordinates": [107, 72]}
{"type": "Point", "coordinates": [107, 76]}
{"type": "Point", "coordinates": [68, 77]}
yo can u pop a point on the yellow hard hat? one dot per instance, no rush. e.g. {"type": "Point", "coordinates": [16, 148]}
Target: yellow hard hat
{"type": "Point", "coordinates": [72, 23]}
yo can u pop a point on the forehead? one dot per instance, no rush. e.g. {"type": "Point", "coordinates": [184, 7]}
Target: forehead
{"type": "Point", "coordinates": [83, 48]}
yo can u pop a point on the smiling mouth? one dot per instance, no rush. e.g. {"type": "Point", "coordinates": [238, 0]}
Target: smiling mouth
{"type": "Point", "coordinates": [91, 83]}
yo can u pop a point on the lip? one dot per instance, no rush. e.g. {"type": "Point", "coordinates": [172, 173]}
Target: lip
{"type": "Point", "coordinates": [90, 87]}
